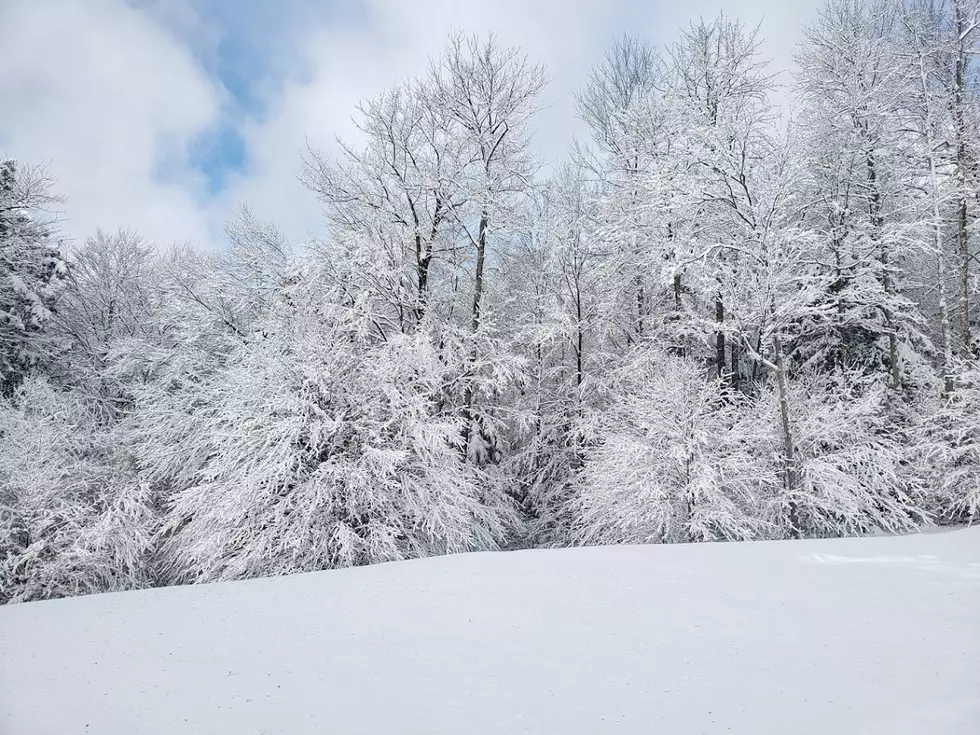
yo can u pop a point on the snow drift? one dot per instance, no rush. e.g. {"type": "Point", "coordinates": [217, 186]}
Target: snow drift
{"type": "Point", "coordinates": [872, 635]}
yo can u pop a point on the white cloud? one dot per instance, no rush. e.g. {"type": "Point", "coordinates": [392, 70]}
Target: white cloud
{"type": "Point", "coordinates": [344, 65]}
{"type": "Point", "coordinates": [104, 90]}
{"type": "Point", "coordinates": [104, 93]}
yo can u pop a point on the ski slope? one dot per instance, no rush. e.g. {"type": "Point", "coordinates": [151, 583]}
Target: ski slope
{"type": "Point", "coordinates": [873, 635]}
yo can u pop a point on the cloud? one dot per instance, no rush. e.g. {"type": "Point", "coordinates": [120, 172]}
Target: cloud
{"type": "Point", "coordinates": [343, 64]}
{"type": "Point", "coordinates": [164, 116]}
{"type": "Point", "coordinates": [113, 101]}
{"type": "Point", "coordinates": [340, 64]}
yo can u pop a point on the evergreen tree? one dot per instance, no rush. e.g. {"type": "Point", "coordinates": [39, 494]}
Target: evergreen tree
{"type": "Point", "coordinates": [31, 272]}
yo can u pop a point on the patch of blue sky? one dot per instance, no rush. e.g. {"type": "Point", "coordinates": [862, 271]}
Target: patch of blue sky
{"type": "Point", "coordinates": [248, 47]}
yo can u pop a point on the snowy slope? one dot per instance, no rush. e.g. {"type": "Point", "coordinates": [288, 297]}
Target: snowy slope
{"type": "Point", "coordinates": [877, 635]}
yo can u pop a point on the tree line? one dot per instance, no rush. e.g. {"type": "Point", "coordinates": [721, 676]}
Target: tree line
{"type": "Point", "coordinates": [711, 321]}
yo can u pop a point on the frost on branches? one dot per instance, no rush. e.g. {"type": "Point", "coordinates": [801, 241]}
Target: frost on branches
{"type": "Point", "coordinates": [316, 446]}
{"type": "Point", "coordinates": [849, 464]}
{"type": "Point", "coordinates": [74, 516]}
{"type": "Point", "coordinates": [947, 450]}
{"type": "Point", "coordinates": [711, 321]}
{"type": "Point", "coordinates": [668, 461]}
{"type": "Point", "coordinates": [31, 271]}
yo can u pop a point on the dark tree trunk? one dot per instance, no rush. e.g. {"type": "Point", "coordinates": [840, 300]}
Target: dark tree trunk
{"type": "Point", "coordinates": [481, 249]}
{"type": "Point", "coordinates": [790, 472]}
{"type": "Point", "coordinates": [720, 338]}
{"type": "Point", "coordinates": [875, 211]}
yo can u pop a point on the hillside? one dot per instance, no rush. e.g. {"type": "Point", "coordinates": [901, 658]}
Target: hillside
{"type": "Point", "coordinates": [873, 635]}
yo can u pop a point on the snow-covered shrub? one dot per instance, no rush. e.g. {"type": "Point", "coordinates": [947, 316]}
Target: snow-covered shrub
{"type": "Point", "coordinates": [946, 451]}
{"type": "Point", "coordinates": [850, 476]}
{"type": "Point", "coordinates": [316, 445]}
{"type": "Point", "coordinates": [667, 462]}
{"type": "Point", "coordinates": [73, 517]}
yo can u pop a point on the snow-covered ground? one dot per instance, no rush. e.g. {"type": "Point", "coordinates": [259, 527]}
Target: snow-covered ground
{"type": "Point", "coordinates": [874, 635]}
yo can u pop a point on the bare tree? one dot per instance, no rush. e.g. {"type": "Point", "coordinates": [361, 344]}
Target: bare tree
{"type": "Point", "coordinates": [721, 86]}
{"type": "Point", "coordinates": [628, 74]}
{"type": "Point", "coordinates": [399, 192]}
{"type": "Point", "coordinates": [487, 95]}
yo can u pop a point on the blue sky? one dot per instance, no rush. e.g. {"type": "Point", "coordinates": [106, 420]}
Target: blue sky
{"type": "Point", "coordinates": [244, 45]}
{"type": "Point", "coordinates": [164, 115]}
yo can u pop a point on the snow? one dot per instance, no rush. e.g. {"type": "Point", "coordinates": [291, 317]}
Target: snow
{"type": "Point", "coordinates": [871, 635]}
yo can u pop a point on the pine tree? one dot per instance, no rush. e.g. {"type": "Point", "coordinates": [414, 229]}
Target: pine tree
{"type": "Point", "coordinates": [31, 271]}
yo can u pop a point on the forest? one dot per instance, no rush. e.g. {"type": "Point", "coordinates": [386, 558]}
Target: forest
{"type": "Point", "coordinates": [721, 317]}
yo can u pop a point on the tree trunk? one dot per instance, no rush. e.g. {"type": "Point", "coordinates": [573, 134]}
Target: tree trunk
{"type": "Point", "coordinates": [962, 162]}
{"type": "Point", "coordinates": [679, 348]}
{"type": "Point", "coordinates": [937, 229]}
{"type": "Point", "coordinates": [964, 251]}
{"type": "Point", "coordinates": [579, 339]}
{"type": "Point", "coordinates": [790, 471]}
{"type": "Point", "coordinates": [735, 356]}
{"type": "Point", "coordinates": [720, 337]}
{"type": "Point", "coordinates": [468, 394]}
{"type": "Point", "coordinates": [422, 261]}
{"type": "Point", "coordinates": [481, 250]}
{"type": "Point", "coordinates": [640, 307]}
{"type": "Point", "coordinates": [875, 207]}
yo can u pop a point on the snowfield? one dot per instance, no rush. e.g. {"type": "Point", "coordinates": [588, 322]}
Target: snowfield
{"type": "Point", "coordinates": [873, 635]}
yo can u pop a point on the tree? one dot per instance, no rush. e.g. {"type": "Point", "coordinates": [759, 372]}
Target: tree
{"type": "Point", "coordinates": [396, 197]}
{"type": "Point", "coordinates": [108, 298]}
{"type": "Point", "coordinates": [315, 446]}
{"type": "Point", "coordinates": [961, 35]}
{"type": "Point", "coordinates": [848, 458]}
{"type": "Point", "coordinates": [627, 76]}
{"type": "Point", "coordinates": [74, 516]}
{"type": "Point", "coordinates": [486, 92]}
{"type": "Point", "coordinates": [852, 85]}
{"type": "Point", "coordinates": [721, 86]}
{"type": "Point", "coordinates": [630, 127]}
{"type": "Point", "coordinates": [31, 271]}
{"type": "Point", "coordinates": [943, 36]}
{"type": "Point", "coordinates": [924, 118]}
{"type": "Point", "coordinates": [667, 461]}
{"type": "Point", "coordinates": [556, 277]}
{"type": "Point", "coordinates": [946, 450]}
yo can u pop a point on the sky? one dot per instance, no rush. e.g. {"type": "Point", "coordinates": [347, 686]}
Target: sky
{"type": "Point", "coordinates": [163, 116]}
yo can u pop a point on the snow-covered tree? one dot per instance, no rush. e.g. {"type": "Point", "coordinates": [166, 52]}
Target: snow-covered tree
{"type": "Point", "coordinates": [667, 461]}
{"type": "Point", "coordinates": [392, 204]}
{"type": "Point", "coordinates": [31, 270]}
{"type": "Point", "coordinates": [487, 93]}
{"type": "Point", "coordinates": [852, 84]}
{"type": "Point", "coordinates": [848, 461]}
{"type": "Point", "coordinates": [318, 443]}
{"type": "Point", "coordinates": [555, 277]}
{"type": "Point", "coordinates": [721, 86]}
{"type": "Point", "coordinates": [946, 450]}
{"type": "Point", "coordinates": [941, 46]}
{"type": "Point", "coordinates": [631, 130]}
{"type": "Point", "coordinates": [108, 298]}
{"type": "Point", "coordinates": [74, 516]}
